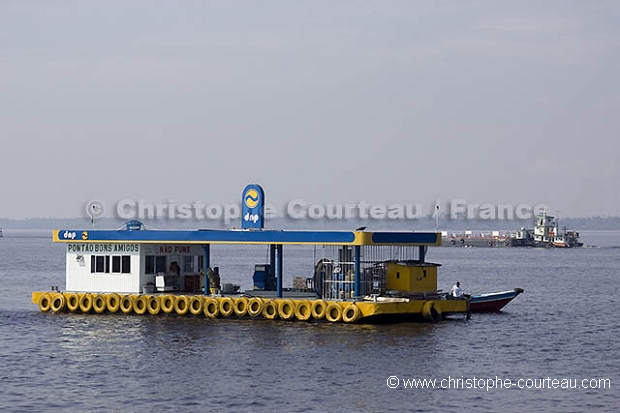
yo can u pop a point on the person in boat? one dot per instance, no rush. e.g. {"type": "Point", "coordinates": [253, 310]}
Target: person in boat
{"type": "Point", "coordinates": [456, 290]}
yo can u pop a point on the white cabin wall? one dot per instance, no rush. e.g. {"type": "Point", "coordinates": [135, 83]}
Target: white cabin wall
{"type": "Point", "coordinates": [79, 277]}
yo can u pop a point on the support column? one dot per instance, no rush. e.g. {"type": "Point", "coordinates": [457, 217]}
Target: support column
{"type": "Point", "coordinates": [356, 267]}
{"type": "Point", "coordinates": [272, 266]}
{"type": "Point", "coordinates": [422, 252]}
{"type": "Point", "coordinates": [279, 269]}
{"type": "Point", "coordinates": [205, 265]}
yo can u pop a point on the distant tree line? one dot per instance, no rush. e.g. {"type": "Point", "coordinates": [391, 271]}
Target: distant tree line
{"type": "Point", "coordinates": [421, 224]}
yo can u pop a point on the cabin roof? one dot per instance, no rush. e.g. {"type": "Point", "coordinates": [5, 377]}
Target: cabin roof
{"type": "Point", "coordinates": [212, 236]}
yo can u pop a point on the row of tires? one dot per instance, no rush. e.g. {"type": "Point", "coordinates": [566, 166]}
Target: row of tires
{"type": "Point", "coordinates": [211, 307]}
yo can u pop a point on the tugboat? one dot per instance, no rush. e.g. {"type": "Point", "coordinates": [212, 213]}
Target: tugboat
{"type": "Point", "coordinates": [545, 234]}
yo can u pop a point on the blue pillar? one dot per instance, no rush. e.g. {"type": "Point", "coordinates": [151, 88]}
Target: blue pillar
{"type": "Point", "coordinates": [422, 252]}
{"type": "Point", "coordinates": [356, 268]}
{"type": "Point", "coordinates": [272, 265]}
{"type": "Point", "coordinates": [205, 265]}
{"type": "Point", "coordinates": [279, 269]}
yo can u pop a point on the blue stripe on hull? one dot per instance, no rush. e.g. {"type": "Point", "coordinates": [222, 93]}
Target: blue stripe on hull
{"type": "Point", "coordinates": [483, 298]}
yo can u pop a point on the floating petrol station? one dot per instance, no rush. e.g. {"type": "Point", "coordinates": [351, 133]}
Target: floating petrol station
{"type": "Point", "coordinates": [363, 277]}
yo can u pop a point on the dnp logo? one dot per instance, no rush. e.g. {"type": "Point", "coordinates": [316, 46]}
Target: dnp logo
{"type": "Point", "coordinates": [251, 198]}
{"type": "Point", "coordinates": [253, 202]}
{"type": "Point", "coordinates": [67, 234]}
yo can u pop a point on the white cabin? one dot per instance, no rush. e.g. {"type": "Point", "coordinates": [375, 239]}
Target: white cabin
{"type": "Point", "coordinates": [133, 267]}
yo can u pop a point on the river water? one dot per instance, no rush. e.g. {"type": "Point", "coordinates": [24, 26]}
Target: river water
{"type": "Point", "coordinates": [563, 328]}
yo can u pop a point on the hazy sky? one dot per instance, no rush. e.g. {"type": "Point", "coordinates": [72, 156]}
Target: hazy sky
{"type": "Point", "coordinates": [329, 102]}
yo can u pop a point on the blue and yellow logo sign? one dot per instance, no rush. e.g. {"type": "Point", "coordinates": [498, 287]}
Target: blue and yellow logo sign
{"type": "Point", "coordinates": [253, 207]}
{"type": "Point", "coordinates": [251, 198]}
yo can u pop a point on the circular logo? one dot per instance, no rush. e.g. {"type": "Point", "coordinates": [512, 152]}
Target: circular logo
{"type": "Point", "coordinates": [85, 235]}
{"type": "Point", "coordinates": [251, 198]}
{"type": "Point", "coordinates": [95, 208]}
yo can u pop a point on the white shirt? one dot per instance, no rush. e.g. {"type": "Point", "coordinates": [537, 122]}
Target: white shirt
{"type": "Point", "coordinates": [456, 291]}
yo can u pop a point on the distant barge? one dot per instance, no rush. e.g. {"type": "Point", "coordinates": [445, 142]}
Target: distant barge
{"type": "Point", "coordinates": [362, 277]}
{"type": "Point", "coordinates": [545, 234]}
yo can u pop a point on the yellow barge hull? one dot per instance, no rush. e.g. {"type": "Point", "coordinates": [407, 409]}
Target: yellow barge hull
{"type": "Point", "coordinates": [379, 310]}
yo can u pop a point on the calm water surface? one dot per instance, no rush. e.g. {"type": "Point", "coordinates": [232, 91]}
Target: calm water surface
{"type": "Point", "coordinates": [564, 326]}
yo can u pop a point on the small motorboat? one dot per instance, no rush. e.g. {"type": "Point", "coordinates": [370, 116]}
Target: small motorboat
{"type": "Point", "coordinates": [492, 302]}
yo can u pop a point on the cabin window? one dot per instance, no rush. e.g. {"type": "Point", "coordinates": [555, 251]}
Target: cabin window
{"type": "Point", "coordinates": [121, 264]}
{"type": "Point", "coordinates": [154, 264]}
{"type": "Point", "coordinates": [116, 263]}
{"type": "Point", "coordinates": [99, 263]}
{"type": "Point", "coordinates": [160, 263]}
{"type": "Point", "coordinates": [188, 263]}
{"type": "Point", "coordinates": [125, 264]}
{"type": "Point", "coordinates": [149, 264]}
